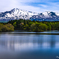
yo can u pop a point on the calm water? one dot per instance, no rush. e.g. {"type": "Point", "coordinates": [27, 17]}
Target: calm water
{"type": "Point", "coordinates": [29, 45]}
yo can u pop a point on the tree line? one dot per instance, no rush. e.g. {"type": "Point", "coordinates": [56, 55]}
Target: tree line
{"type": "Point", "coordinates": [35, 26]}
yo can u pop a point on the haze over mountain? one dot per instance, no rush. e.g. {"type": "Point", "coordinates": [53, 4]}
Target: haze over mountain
{"type": "Point", "coordinates": [22, 14]}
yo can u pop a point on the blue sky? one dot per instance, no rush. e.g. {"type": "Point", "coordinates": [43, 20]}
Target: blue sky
{"type": "Point", "coordinates": [30, 5]}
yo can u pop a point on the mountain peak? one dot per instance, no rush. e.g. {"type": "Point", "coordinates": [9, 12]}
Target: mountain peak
{"type": "Point", "coordinates": [14, 9]}
{"type": "Point", "coordinates": [16, 13]}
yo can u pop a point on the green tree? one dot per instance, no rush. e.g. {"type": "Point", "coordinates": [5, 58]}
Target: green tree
{"type": "Point", "coordinates": [14, 24]}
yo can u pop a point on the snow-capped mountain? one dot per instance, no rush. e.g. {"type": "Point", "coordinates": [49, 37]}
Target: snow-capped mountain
{"type": "Point", "coordinates": [22, 14]}
{"type": "Point", "coordinates": [46, 16]}
{"type": "Point", "coordinates": [16, 14]}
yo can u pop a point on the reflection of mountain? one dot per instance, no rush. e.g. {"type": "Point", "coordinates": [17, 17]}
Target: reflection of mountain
{"type": "Point", "coordinates": [27, 44]}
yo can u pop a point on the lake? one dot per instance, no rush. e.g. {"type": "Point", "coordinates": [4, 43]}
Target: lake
{"type": "Point", "coordinates": [29, 45]}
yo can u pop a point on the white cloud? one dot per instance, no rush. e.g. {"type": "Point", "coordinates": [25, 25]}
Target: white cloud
{"type": "Point", "coordinates": [29, 0]}
{"type": "Point", "coordinates": [43, 5]}
{"type": "Point", "coordinates": [6, 5]}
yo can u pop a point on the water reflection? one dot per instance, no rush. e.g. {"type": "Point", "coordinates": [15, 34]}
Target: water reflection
{"type": "Point", "coordinates": [25, 45]}
{"type": "Point", "coordinates": [28, 41]}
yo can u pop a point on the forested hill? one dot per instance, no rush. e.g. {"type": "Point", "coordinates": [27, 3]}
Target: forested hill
{"type": "Point", "coordinates": [35, 26]}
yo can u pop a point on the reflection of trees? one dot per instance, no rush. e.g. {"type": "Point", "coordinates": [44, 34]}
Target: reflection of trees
{"type": "Point", "coordinates": [52, 42]}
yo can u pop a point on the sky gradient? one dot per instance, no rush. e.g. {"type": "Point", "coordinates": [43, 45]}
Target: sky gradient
{"type": "Point", "coordinates": [30, 5]}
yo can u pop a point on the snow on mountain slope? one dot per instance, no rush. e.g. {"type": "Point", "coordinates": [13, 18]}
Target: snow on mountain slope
{"type": "Point", "coordinates": [46, 16]}
{"type": "Point", "coordinates": [22, 14]}
{"type": "Point", "coordinates": [57, 14]}
{"type": "Point", "coordinates": [17, 14]}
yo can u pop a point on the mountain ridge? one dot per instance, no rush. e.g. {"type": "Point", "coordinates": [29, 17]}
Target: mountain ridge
{"type": "Point", "coordinates": [46, 16]}
{"type": "Point", "coordinates": [24, 14]}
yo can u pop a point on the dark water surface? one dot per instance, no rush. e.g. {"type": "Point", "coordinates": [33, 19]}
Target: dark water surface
{"type": "Point", "coordinates": [29, 45]}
